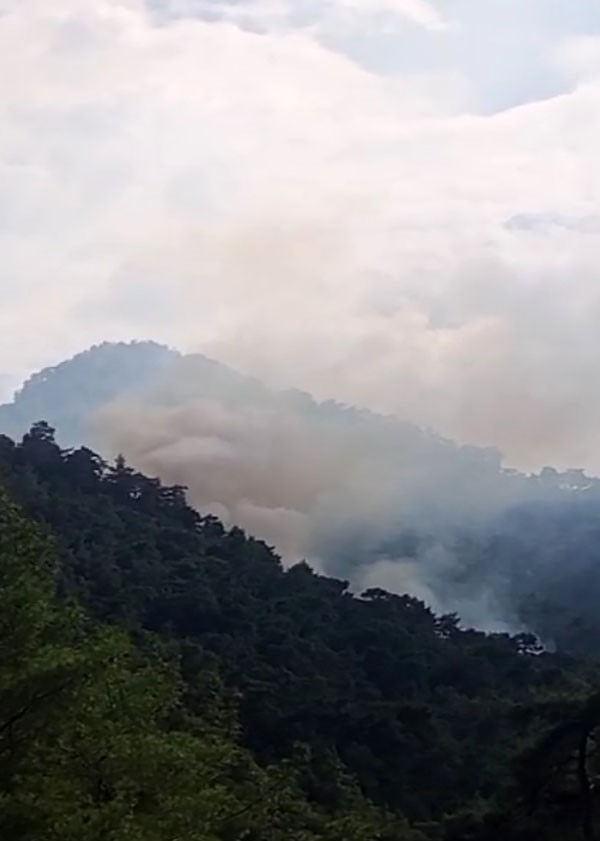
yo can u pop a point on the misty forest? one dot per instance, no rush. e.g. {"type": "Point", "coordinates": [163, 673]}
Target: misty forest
{"type": "Point", "coordinates": [299, 425]}
{"type": "Point", "coordinates": [169, 675]}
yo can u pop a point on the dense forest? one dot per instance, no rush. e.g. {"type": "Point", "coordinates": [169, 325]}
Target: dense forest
{"type": "Point", "coordinates": [164, 677]}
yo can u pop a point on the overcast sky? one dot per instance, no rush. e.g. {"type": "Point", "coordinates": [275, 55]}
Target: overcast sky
{"type": "Point", "coordinates": [392, 202]}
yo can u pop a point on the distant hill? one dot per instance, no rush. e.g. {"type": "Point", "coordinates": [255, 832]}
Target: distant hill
{"type": "Point", "coordinates": [66, 395]}
{"type": "Point", "coordinates": [369, 498]}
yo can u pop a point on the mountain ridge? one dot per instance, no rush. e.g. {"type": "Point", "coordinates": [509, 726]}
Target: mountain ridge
{"type": "Point", "coordinates": [362, 496]}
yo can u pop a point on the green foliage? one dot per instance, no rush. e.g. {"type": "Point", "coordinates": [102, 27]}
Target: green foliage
{"type": "Point", "coordinates": [95, 744]}
{"type": "Point", "coordinates": [340, 698]}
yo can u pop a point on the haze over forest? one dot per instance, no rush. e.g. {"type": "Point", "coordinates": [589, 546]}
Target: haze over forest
{"type": "Point", "coordinates": [369, 498]}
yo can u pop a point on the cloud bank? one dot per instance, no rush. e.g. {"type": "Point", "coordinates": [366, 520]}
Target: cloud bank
{"type": "Point", "coordinates": [318, 194]}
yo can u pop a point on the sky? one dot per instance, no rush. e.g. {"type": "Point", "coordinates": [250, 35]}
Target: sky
{"type": "Point", "coordinates": [395, 203]}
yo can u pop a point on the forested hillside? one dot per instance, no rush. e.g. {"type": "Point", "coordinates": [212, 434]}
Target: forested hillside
{"type": "Point", "coordinates": [96, 741]}
{"type": "Point", "coordinates": [467, 735]}
{"type": "Point", "coordinates": [369, 499]}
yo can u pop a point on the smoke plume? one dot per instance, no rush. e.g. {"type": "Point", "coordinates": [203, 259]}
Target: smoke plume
{"type": "Point", "coordinates": [359, 495]}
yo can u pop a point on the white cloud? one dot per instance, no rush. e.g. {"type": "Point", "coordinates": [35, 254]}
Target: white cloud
{"type": "Point", "coordinates": [290, 13]}
{"type": "Point", "coordinates": [579, 57]}
{"type": "Point", "coordinates": [262, 196]}
{"type": "Point", "coordinates": [417, 11]}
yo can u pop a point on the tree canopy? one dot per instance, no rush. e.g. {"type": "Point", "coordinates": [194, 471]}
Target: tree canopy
{"type": "Point", "coordinates": [165, 677]}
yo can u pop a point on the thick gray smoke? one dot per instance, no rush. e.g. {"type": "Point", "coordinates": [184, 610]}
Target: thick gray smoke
{"type": "Point", "coordinates": [359, 495]}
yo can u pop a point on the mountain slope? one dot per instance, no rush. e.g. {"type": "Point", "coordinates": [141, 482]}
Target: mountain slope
{"type": "Point", "coordinates": [97, 742]}
{"type": "Point", "coordinates": [372, 499]}
{"type": "Point", "coordinates": [422, 713]}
